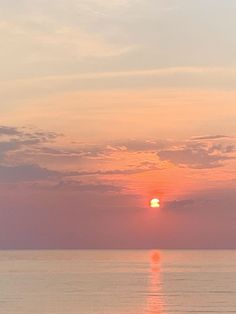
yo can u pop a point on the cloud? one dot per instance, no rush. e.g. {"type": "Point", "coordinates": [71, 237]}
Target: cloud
{"type": "Point", "coordinates": [19, 139]}
{"type": "Point", "coordinates": [210, 137]}
{"type": "Point", "coordinates": [36, 155]}
{"type": "Point", "coordinates": [230, 148]}
{"type": "Point", "coordinates": [22, 173]}
{"type": "Point", "coordinates": [204, 202]}
{"type": "Point", "coordinates": [180, 204]}
{"type": "Point", "coordinates": [26, 172]}
{"type": "Point", "coordinates": [203, 152]}
{"type": "Point", "coordinates": [24, 149]}
{"type": "Point", "coordinates": [5, 130]}
{"type": "Point", "coordinates": [198, 158]}
{"type": "Point", "coordinates": [60, 152]}
{"type": "Point", "coordinates": [136, 145]}
{"type": "Point", "coordinates": [129, 171]}
{"type": "Point", "coordinates": [44, 37]}
{"type": "Point", "coordinates": [172, 72]}
{"type": "Point", "coordinates": [196, 202]}
{"type": "Point", "coordinates": [70, 185]}
{"type": "Point", "coordinates": [8, 146]}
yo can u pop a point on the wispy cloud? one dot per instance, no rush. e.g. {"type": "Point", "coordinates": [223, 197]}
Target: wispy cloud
{"type": "Point", "coordinates": [24, 173]}
{"type": "Point", "coordinates": [78, 186]}
{"type": "Point", "coordinates": [5, 130]}
{"type": "Point", "coordinates": [200, 155]}
{"type": "Point", "coordinates": [158, 72]}
{"type": "Point", "coordinates": [210, 137]}
{"type": "Point", "coordinates": [19, 139]}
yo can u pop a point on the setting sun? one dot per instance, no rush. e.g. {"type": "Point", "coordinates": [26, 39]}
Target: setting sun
{"type": "Point", "coordinates": [155, 203]}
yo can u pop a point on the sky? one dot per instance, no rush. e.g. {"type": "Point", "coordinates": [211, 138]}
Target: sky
{"type": "Point", "coordinates": [107, 104]}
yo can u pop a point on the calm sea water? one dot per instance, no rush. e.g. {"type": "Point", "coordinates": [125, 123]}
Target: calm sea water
{"type": "Point", "coordinates": [115, 282]}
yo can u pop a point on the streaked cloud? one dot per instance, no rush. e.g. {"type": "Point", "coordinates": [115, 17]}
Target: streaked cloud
{"type": "Point", "coordinates": [201, 155]}
{"type": "Point", "coordinates": [31, 155]}
{"type": "Point", "coordinates": [210, 137]}
{"type": "Point", "coordinates": [194, 158]}
{"type": "Point", "coordinates": [23, 173]}
{"type": "Point", "coordinates": [20, 139]}
{"type": "Point", "coordinates": [72, 185]}
{"type": "Point", "coordinates": [197, 72]}
{"type": "Point", "coordinates": [5, 130]}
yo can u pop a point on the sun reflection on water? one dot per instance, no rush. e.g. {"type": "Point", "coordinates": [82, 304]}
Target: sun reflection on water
{"type": "Point", "coordinates": [155, 300]}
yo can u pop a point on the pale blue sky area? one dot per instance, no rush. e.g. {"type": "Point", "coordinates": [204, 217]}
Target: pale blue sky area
{"type": "Point", "coordinates": [69, 37]}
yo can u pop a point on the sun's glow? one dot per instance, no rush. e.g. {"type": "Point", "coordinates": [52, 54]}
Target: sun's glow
{"type": "Point", "coordinates": [155, 203]}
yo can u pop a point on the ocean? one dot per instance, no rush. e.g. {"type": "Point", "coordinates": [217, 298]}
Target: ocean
{"type": "Point", "coordinates": [117, 282]}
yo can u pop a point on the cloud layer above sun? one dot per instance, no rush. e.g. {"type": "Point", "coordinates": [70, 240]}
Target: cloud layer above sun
{"type": "Point", "coordinates": [48, 177]}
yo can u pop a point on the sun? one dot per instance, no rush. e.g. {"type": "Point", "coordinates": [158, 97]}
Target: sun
{"type": "Point", "coordinates": [155, 203]}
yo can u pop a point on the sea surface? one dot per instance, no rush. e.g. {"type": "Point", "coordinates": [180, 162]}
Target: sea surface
{"type": "Point", "coordinates": [117, 282]}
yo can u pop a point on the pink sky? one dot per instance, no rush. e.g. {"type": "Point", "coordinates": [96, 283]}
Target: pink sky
{"type": "Point", "coordinates": [99, 115]}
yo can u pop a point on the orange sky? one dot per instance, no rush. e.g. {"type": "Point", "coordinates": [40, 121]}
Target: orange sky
{"type": "Point", "coordinates": [99, 114]}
